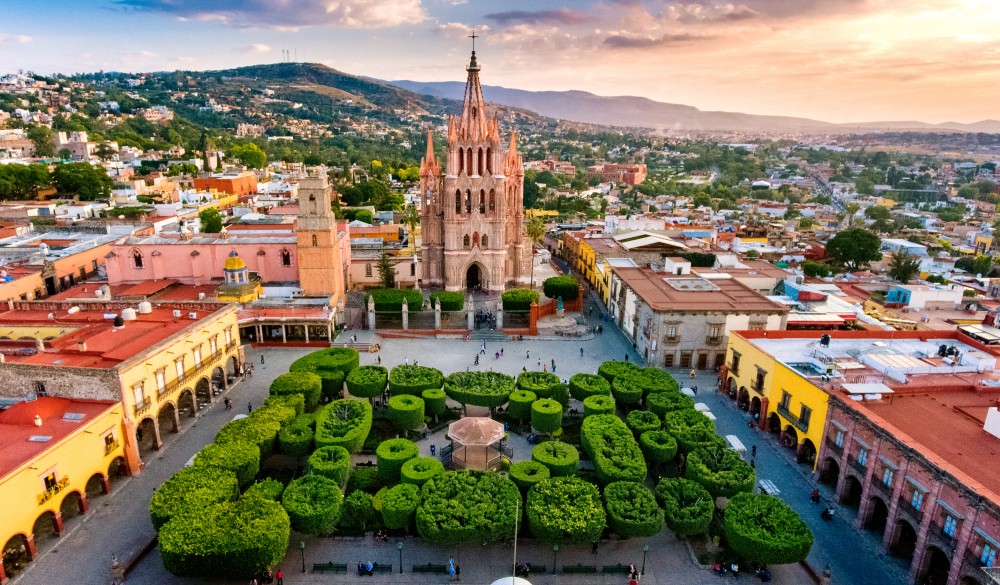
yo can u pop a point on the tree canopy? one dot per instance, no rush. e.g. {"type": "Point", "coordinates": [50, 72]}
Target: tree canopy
{"type": "Point", "coordinates": [855, 248]}
{"type": "Point", "coordinates": [904, 266]}
{"type": "Point", "coordinates": [211, 220]}
{"type": "Point", "coordinates": [84, 179]}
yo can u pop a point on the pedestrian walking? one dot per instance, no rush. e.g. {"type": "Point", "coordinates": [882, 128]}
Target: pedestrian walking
{"type": "Point", "coordinates": [753, 464]}
{"type": "Point", "coordinates": [632, 573]}
{"type": "Point", "coordinates": [406, 360]}
{"type": "Point", "coordinates": [458, 573]}
{"type": "Point", "coordinates": [593, 548]}
{"type": "Point", "coordinates": [498, 355]}
{"type": "Point", "coordinates": [539, 362]}
{"type": "Point", "coordinates": [281, 577]}
{"type": "Point", "coordinates": [451, 572]}
{"type": "Point", "coordinates": [501, 352]}
{"type": "Point", "coordinates": [626, 358]}
{"type": "Point", "coordinates": [476, 362]}
{"type": "Point", "coordinates": [581, 352]}
{"type": "Point", "coordinates": [228, 403]}
{"type": "Point", "coordinates": [249, 407]}
{"type": "Point", "coordinates": [378, 360]}
{"type": "Point", "coordinates": [354, 338]}
{"type": "Point", "coordinates": [527, 354]}
{"type": "Point", "coordinates": [545, 368]}
{"type": "Point", "coordinates": [553, 366]}
{"type": "Point", "coordinates": [261, 358]}
{"type": "Point", "coordinates": [753, 451]}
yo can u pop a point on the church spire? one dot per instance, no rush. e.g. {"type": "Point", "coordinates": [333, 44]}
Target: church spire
{"type": "Point", "coordinates": [429, 155]}
{"type": "Point", "coordinates": [473, 122]}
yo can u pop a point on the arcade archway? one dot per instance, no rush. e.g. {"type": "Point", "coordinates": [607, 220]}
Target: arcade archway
{"type": "Point", "coordinates": [473, 277]}
{"type": "Point", "coordinates": [904, 542]}
{"type": "Point", "coordinates": [831, 472]}
{"type": "Point", "coordinates": [878, 515]}
{"type": "Point", "coordinates": [936, 566]}
{"type": "Point", "coordinates": [852, 492]}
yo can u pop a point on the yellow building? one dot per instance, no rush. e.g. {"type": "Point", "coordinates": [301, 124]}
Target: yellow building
{"type": "Point", "coordinates": [58, 454]}
{"type": "Point", "coordinates": [240, 285]}
{"type": "Point", "coordinates": [533, 213]}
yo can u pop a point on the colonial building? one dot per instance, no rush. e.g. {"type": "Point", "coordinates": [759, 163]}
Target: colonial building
{"type": "Point", "coordinates": [324, 252]}
{"type": "Point", "coordinates": [472, 210]}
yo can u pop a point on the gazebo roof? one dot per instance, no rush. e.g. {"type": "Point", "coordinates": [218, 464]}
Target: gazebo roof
{"type": "Point", "coordinates": [476, 430]}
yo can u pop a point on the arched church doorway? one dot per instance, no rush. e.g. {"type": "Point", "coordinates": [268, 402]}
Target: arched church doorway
{"type": "Point", "coordinates": [473, 278]}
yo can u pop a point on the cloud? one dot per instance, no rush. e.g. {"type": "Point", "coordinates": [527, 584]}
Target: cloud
{"type": "Point", "coordinates": [6, 38]}
{"type": "Point", "coordinates": [256, 48]}
{"type": "Point", "coordinates": [560, 17]}
{"type": "Point", "coordinates": [634, 42]}
{"type": "Point", "coordinates": [458, 30]}
{"type": "Point", "coordinates": [289, 15]}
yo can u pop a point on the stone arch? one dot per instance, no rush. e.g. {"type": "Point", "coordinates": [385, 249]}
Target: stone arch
{"type": "Point", "coordinates": [852, 491]}
{"type": "Point", "coordinates": [147, 435]}
{"type": "Point", "coordinates": [468, 161]}
{"type": "Point", "coordinates": [790, 437]}
{"type": "Point", "coordinates": [969, 580]}
{"type": "Point", "coordinates": [733, 392]}
{"type": "Point", "coordinates": [935, 568]}
{"type": "Point", "coordinates": [731, 387]}
{"type": "Point", "coordinates": [755, 406]}
{"type": "Point", "coordinates": [47, 526]}
{"type": "Point", "coordinates": [186, 405]}
{"type": "Point", "coordinates": [286, 257]}
{"type": "Point", "coordinates": [831, 471]}
{"type": "Point", "coordinates": [806, 452]}
{"type": "Point", "coordinates": [493, 201]}
{"type": "Point", "coordinates": [475, 274]}
{"type": "Point", "coordinates": [96, 486]}
{"type": "Point", "coordinates": [167, 417]}
{"type": "Point", "coordinates": [485, 242]}
{"type": "Point", "coordinates": [878, 515]}
{"type": "Point", "coordinates": [743, 399]}
{"type": "Point", "coordinates": [73, 504]}
{"type": "Point", "coordinates": [17, 552]}
{"type": "Point", "coordinates": [218, 380]}
{"type": "Point", "coordinates": [233, 367]}
{"type": "Point", "coordinates": [137, 259]}
{"type": "Point", "coordinates": [904, 540]}
{"type": "Point", "coordinates": [468, 201]}
{"type": "Point", "coordinates": [203, 391]}
{"type": "Point", "coordinates": [475, 239]}
{"type": "Point", "coordinates": [479, 161]}
{"type": "Point", "coordinates": [461, 160]}
{"type": "Point", "coordinates": [482, 201]}
{"type": "Point", "coordinates": [458, 202]}
{"type": "Point", "coordinates": [773, 423]}
{"type": "Point", "coordinates": [489, 161]}
{"type": "Point", "coordinates": [117, 470]}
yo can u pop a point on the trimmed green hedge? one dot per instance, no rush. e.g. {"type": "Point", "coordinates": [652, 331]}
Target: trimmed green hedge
{"type": "Point", "coordinates": [407, 379]}
{"type": "Point", "coordinates": [390, 300]}
{"type": "Point", "coordinates": [565, 510]}
{"type": "Point", "coordinates": [632, 509]}
{"type": "Point", "coordinates": [519, 406]}
{"type": "Point", "coordinates": [519, 299]}
{"type": "Point", "coordinates": [763, 529]}
{"type": "Point", "coordinates": [561, 459]}
{"type": "Point", "coordinates": [331, 365]}
{"type": "Point", "coordinates": [399, 505]}
{"type": "Point", "coordinates": [344, 422]}
{"type": "Point", "coordinates": [653, 380]}
{"type": "Point", "coordinates": [241, 458]}
{"type": "Point", "coordinates": [419, 470]}
{"type": "Point", "coordinates": [583, 386]}
{"type": "Point", "coordinates": [226, 540]}
{"type": "Point", "coordinates": [640, 421]}
{"type": "Point", "coordinates": [406, 412]}
{"type": "Point", "coordinates": [527, 473]}
{"type": "Point", "coordinates": [541, 383]}
{"type": "Point", "coordinates": [566, 287]}
{"type": "Point", "coordinates": [687, 507]}
{"type": "Point", "coordinates": [599, 404]}
{"type": "Point", "coordinates": [333, 462]}
{"type": "Point", "coordinates": [190, 490]}
{"type": "Point", "coordinates": [268, 489]}
{"type": "Point", "coordinates": [367, 381]}
{"type": "Point", "coordinates": [451, 300]}
{"type": "Point", "coordinates": [467, 506]}
{"type": "Point", "coordinates": [546, 416]}
{"type": "Point", "coordinates": [296, 438]}
{"type": "Point", "coordinates": [281, 409]}
{"type": "Point", "coordinates": [308, 384]}
{"type": "Point", "coordinates": [391, 455]}
{"type": "Point", "coordinates": [612, 369]}
{"type": "Point", "coordinates": [489, 389]}
{"type": "Point", "coordinates": [435, 402]}
{"type": "Point", "coordinates": [691, 428]}
{"type": "Point", "coordinates": [611, 446]}
{"type": "Point", "coordinates": [364, 479]}
{"type": "Point", "coordinates": [668, 401]}
{"type": "Point", "coordinates": [358, 512]}
{"type": "Point", "coordinates": [626, 390]}
{"type": "Point", "coordinates": [658, 446]}
{"type": "Point", "coordinates": [313, 504]}
{"type": "Point", "coordinates": [720, 471]}
{"type": "Point", "coordinates": [261, 431]}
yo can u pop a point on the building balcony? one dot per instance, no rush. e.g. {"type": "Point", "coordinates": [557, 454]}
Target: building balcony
{"type": "Point", "coordinates": [143, 406]}
{"type": "Point", "coordinates": [971, 563]}
{"type": "Point", "coordinates": [857, 465]}
{"type": "Point", "coordinates": [758, 387]}
{"type": "Point", "coordinates": [671, 340]}
{"type": "Point", "coordinates": [717, 340]}
{"type": "Point", "coordinates": [905, 507]}
{"type": "Point", "coordinates": [52, 491]}
{"type": "Point", "coordinates": [111, 447]}
{"type": "Point", "coordinates": [188, 378]}
{"type": "Point", "coordinates": [936, 534]}
{"type": "Point", "coordinates": [833, 447]}
{"type": "Point", "coordinates": [792, 419]}
{"type": "Point", "coordinates": [882, 488]}
{"type": "Point", "coordinates": [734, 368]}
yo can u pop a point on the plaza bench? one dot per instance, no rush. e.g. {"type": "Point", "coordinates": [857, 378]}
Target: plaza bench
{"type": "Point", "coordinates": [328, 567]}
{"type": "Point", "coordinates": [430, 568]}
{"type": "Point", "coordinates": [579, 569]}
{"type": "Point", "coordinates": [536, 569]}
{"type": "Point", "coordinates": [618, 569]}
{"type": "Point", "coordinates": [380, 568]}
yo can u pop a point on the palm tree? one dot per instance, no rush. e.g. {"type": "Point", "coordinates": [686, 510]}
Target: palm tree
{"type": "Point", "coordinates": [535, 229]}
{"type": "Point", "coordinates": [411, 218]}
{"type": "Point", "coordinates": [852, 210]}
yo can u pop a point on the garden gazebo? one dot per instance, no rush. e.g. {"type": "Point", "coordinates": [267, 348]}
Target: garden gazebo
{"type": "Point", "coordinates": [476, 442]}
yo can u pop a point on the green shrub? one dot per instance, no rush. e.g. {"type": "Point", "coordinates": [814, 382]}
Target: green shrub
{"type": "Point", "coordinates": [435, 402]}
{"type": "Point", "coordinates": [358, 512]}
{"type": "Point", "coordinates": [527, 473]}
{"type": "Point", "coordinates": [407, 379]}
{"type": "Point", "coordinates": [652, 380]}
{"type": "Point", "coordinates": [345, 423]}
{"type": "Point", "coordinates": [296, 439]}
{"type": "Point", "coordinates": [262, 432]}
{"type": "Point", "coordinates": [566, 287]}
{"type": "Point", "coordinates": [189, 490]}
{"type": "Point", "coordinates": [611, 446]}
{"type": "Point", "coordinates": [663, 402]}
{"type": "Point", "coordinates": [583, 386]}
{"type": "Point", "coordinates": [331, 365]}
{"type": "Point", "coordinates": [308, 384]}
{"type": "Point", "coordinates": [687, 507]}
{"type": "Point", "coordinates": [419, 470]}
{"type": "Point", "coordinates": [367, 381]}
{"type": "Point", "coordinates": [541, 383]}
{"type": "Point", "coordinates": [720, 471]}
{"type": "Point", "coordinates": [333, 462]}
{"type": "Point", "coordinates": [226, 540]}
{"type": "Point", "coordinates": [598, 404]}
{"type": "Point", "coordinates": [632, 509]}
{"type": "Point", "coordinates": [560, 393]}
{"type": "Point", "coordinates": [763, 529]}
{"type": "Point", "coordinates": [519, 406]}
{"type": "Point", "coordinates": [313, 504]}
{"type": "Point", "coordinates": [546, 416]}
{"type": "Point", "coordinates": [691, 428]}
{"type": "Point", "coordinates": [611, 370]}
{"type": "Point", "coordinates": [561, 459]}
{"type": "Point", "coordinates": [390, 300]}
{"type": "Point", "coordinates": [658, 446]}
{"type": "Point", "coordinates": [364, 479]}
{"type": "Point", "coordinates": [519, 299]}
{"type": "Point", "coordinates": [241, 458]}
{"type": "Point", "coordinates": [281, 409]}
{"type": "Point", "coordinates": [565, 510]}
{"type": "Point", "coordinates": [399, 506]}
{"type": "Point", "coordinates": [391, 456]}
{"type": "Point", "coordinates": [489, 389]}
{"type": "Point", "coordinates": [626, 390]}
{"type": "Point", "coordinates": [640, 421]}
{"type": "Point", "coordinates": [406, 412]}
{"type": "Point", "coordinates": [451, 300]}
{"type": "Point", "coordinates": [467, 506]}
{"type": "Point", "coordinates": [268, 489]}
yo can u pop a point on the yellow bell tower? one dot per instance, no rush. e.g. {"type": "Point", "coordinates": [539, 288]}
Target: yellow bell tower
{"type": "Point", "coordinates": [320, 254]}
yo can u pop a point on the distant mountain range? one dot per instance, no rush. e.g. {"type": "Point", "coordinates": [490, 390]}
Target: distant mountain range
{"type": "Point", "coordinates": [632, 111]}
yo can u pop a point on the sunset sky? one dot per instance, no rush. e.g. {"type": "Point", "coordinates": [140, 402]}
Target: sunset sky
{"type": "Point", "coordinates": [834, 60]}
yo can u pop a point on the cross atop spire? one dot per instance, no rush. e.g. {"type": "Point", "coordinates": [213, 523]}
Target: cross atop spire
{"type": "Point", "coordinates": [473, 37]}
{"type": "Point", "coordinates": [473, 66]}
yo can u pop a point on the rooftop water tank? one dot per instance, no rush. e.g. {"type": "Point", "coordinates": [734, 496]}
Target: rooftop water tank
{"type": "Point", "coordinates": [128, 314]}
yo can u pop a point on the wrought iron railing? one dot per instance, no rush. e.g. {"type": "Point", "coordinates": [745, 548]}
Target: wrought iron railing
{"type": "Point", "coordinates": [794, 420]}
{"type": "Point", "coordinates": [51, 492]}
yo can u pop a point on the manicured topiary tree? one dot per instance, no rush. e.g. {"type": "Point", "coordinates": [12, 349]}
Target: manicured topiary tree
{"type": "Point", "coordinates": [191, 489]}
{"type": "Point", "coordinates": [367, 381]}
{"type": "Point", "coordinates": [626, 390]}
{"type": "Point", "coordinates": [419, 470]}
{"type": "Point", "coordinates": [566, 287]}
{"type": "Point", "coordinates": [519, 299]}
{"type": "Point", "coordinates": [241, 458]}
{"type": "Point", "coordinates": [519, 404]}
{"type": "Point", "coordinates": [640, 421]}
{"type": "Point", "coordinates": [720, 471]}
{"type": "Point", "coordinates": [658, 446]}
{"type": "Point", "coordinates": [763, 529]}
{"type": "Point", "coordinates": [344, 422]}
{"type": "Point", "coordinates": [565, 510]}
{"type": "Point", "coordinates": [632, 509]}
{"type": "Point", "coordinates": [357, 512]}
{"type": "Point", "coordinates": [546, 416]}
{"type": "Point", "coordinates": [281, 409]}
{"type": "Point", "coordinates": [542, 384]}
{"type": "Point", "coordinates": [333, 462]}
{"type": "Point", "coordinates": [687, 507]}
{"type": "Point", "coordinates": [391, 455]}
{"type": "Point", "coordinates": [451, 300]}
{"type": "Point", "coordinates": [598, 405]}
{"type": "Point", "coordinates": [653, 380]}
{"type": "Point", "coordinates": [691, 428]}
{"type": "Point", "coordinates": [260, 431]}
{"type": "Point", "coordinates": [583, 386]}
{"type": "Point", "coordinates": [489, 389]}
{"type": "Point", "coordinates": [308, 384]}
{"type": "Point", "coordinates": [331, 365]}
{"type": "Point", "coordinates": [406, 412]}
{"type": "Point", "coordinates": [527, 473]}
{"type": "Point", "coordinates": [295, 439]}
{"type": "Point", "coordinates": [313, 504]}
{"type": "Point", "coordinates": [467, 506]}
{"type": "Point", "coordinates": [613, 449]}
{"type": "Point", "coordinates": [612, 369]}
{"type": "Point", "coordinates": [268, 489]}
{"type": "Point", "coordinates": [390, 300]}
{"type": "Point", "coordinates": [225, 540]}
{"type": "Point", "coordinates": [408, 379]}
{"type": "Point", "coordinates": [364, 479]}
{"type": "Point", "coordinates": [560, 393]}
{"type": "Point", "coordinates": [668, 401]}
{"type": "Point", "coordinates": [435, 402]}
{"type": "Point", "coordinates": [561, 459]}
{"type": "Point", "coordinates": [399, 505]}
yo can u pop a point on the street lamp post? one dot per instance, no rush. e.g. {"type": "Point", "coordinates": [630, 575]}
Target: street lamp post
{"type": "Point", "coordinates": [302, 549]}
{"type": "Point", "coordinates": [645, 549]}
{"type": "Point", "coordinates": [555, 553]}
{"type": "Point", "coordinates": [399, 545]}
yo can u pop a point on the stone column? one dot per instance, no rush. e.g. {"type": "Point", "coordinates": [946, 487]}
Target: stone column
{"type": "Point", "coordinates": [406, 314]}
{"type": "Point", "coordinates": [962, 545]}
{"type": "Point", "coordinates": [284, 334]}
{"type": "Point", "coordinates": [3, 574]}
{"type": "Point", "coordinates": [437, 313]}
{"type": "Point", "coordinates": [105, 485]}
{"type": "Point", "coordinates": [499, 315]}
{"type": "Point", "coordinates": [306, 328]}
{"type": "Point", "coordinates": [84, 504]}
{"type": "Point", "coordinates": [177, 414]}
{"type": "Point", "coordinates": [920, 548]}
{"type": "Point", "coordinates": [371, 314]}
{"type": "Point", "coordinates": [897, 493]}
{"type": "Point", "coordinates": [32, 550]}
{"type": "Point", "coordinates": [470, 316]}
{"type": "Point", "coordinates": [57, 524]}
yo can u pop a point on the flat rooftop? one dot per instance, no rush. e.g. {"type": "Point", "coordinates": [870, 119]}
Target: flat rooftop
{"type": "Point", "coordinates": [663, 291]}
